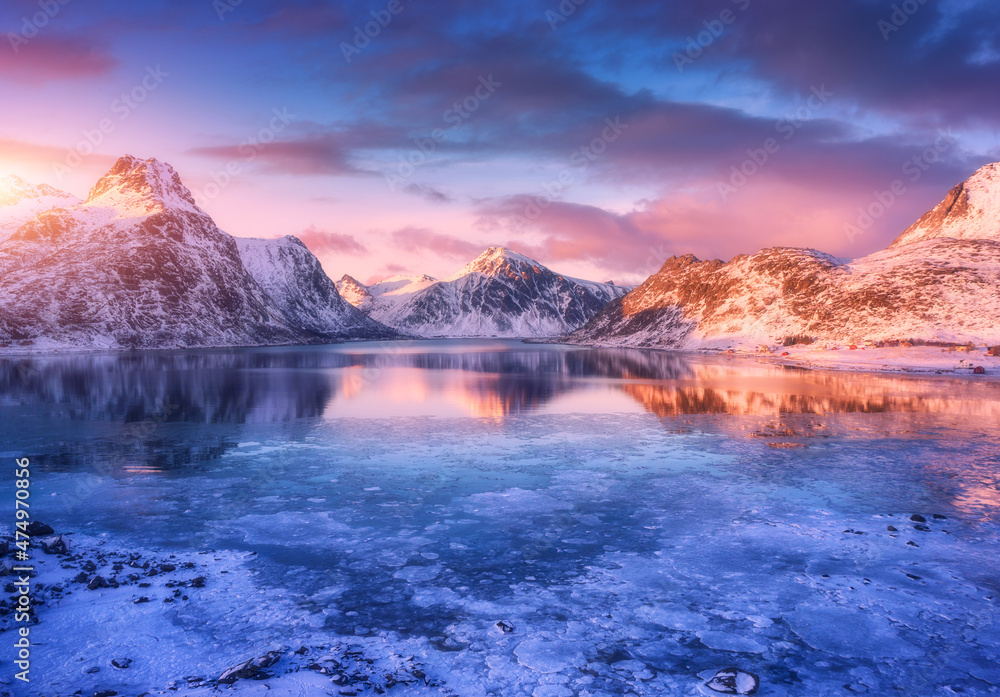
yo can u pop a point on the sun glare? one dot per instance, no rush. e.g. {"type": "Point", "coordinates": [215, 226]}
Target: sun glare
{"type": "Point", "coordinates": [5, 172]}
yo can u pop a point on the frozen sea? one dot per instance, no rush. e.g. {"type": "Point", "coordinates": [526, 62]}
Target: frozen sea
{"type": "Point", "coordinates": [641, 519]}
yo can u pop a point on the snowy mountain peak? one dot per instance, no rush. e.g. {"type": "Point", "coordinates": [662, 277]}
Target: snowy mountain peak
{"type": "Point", "coordinates": [400, 285]}
{"type": "Point", "coordinates": [970, 211]}
{"type": "Point", "coordinates": [134, 186]}
{"type": "Point", "coordinates": [499, 260]}
{"type": "Point", "coordinates": [14, 190]}
{"type": "Point", "coordinates": [355, 292]}
{"type": "Point", "coordinates": [285, 241]}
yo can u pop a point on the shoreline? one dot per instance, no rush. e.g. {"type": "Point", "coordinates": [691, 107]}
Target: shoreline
{"type": "Point", "coordinates": [923, 361]}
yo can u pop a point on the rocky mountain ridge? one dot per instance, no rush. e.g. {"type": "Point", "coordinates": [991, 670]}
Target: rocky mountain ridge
{"type": "Point", "coordinates": [499, 294]}
{"type": "Point", "coordinates": [940, 280]}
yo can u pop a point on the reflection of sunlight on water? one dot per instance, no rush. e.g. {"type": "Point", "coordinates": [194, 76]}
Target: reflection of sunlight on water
{"type": "Point", "coordinates": [402, 391]}
{"type": "Point", "coordinates": [352, 382]}
{"type": "Point", "coordinates": [977, 498]}
{"type": "Point", "coordinates": [480, 397]}
{"type": "Point", "coordinates": [753, 390]}
{"type": "Point", "coordinates": [404, 386]}
{"type": "Point", "coordinates": [387, 393]}
{"type": "Point", "coordinates": [968, 478]}
{"type": "Point", "coordinates": [581, 382]}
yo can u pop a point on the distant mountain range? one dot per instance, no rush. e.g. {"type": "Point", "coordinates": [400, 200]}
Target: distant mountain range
{"type": "Point", "coordinates": [939, 280]}
{"type": "Point", "coordinates": [140, 265]}
{"type": "Point", "coordinates": [499, 294]}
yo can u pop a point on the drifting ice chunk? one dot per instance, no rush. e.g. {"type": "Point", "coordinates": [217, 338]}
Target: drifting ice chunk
{"type": "Point", "coordinates": [724, 641]}
{"type": "Point", "coordinates": [550, 656]}
{"type": "Point", "coordinates": [846, 632]}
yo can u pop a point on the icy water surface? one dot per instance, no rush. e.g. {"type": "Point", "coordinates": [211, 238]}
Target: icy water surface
{"type": "Point", "coordinates": [642, 519]}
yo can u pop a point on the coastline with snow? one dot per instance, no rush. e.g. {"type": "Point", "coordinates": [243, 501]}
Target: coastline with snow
{"type": "Point", "coordinates": [916, 359]}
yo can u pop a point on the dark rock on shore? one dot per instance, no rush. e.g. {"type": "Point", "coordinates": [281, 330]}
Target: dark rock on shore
{"type": "Point", "coordinates": [56, 544]}
{"type": "Point", "coordinates": [249, 669]}
{"type": "Point", "coordinates": [37, 528]}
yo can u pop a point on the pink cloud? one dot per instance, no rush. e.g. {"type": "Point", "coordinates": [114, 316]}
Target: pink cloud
{"type": "Point", "coordinates": [321, 241]}
{"type": "Point", "coordinates": [418, 239]}
{"type": "Point", "coordinates": [25, 151]}
{"type": "Point", "coordinates": [45, 58]}
{"type": "Point", "coordinates": [389, 270]}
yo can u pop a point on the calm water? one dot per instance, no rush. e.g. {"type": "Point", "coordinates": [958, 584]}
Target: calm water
{"type": "Point", "coordinates": [641, 517]}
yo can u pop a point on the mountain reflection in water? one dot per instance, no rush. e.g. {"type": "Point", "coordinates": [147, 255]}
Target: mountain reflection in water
{"type": "Point", "coordinates": [133, 400]}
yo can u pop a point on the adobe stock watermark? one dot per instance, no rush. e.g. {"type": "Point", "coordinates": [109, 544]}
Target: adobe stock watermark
{"type": "Point", "coordinates": [757, 158]}
{"type": "Point", "coordinates": [33, 24]}
{"type": "Point", "coordinates": [580, 159]}
{"type": "Point", "coordinates": [121, 109]}
{"type": "Point", "coordinates": [364, 34]}
{"type": "Point", "coordinates": [224, 7]}
{"type": "Point", "coordinates": [248, 151]}
{"type": "Point", "coordinates": [899, 16]}
{"type": "Point", "coordinates": [459, 112]}
{"type": "Point", "coordinates": [714, 29]}
{"type": "Point", "coordinates": [655, 258]}
{"type": "Point", "coordinates": [563, 11]}
{"type": "Point", "coordinates": [913, 170]}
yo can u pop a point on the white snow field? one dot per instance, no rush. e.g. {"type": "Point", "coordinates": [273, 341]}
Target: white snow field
{"type": "Point", "coordinates": [637, 521]}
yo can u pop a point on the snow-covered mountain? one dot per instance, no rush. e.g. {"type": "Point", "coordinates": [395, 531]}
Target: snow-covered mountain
{"type": "Point", "coordinates": [970, 211]}
{"type": "Point", "coordinates": [940, 280]}
{"type": "Point", "coordinates": [389, 291]}
{"type": "Point", "coordinates": [499, 294]}
{"type": "Point", "coordinates": [140, 265]}
{"type": "Point", "coordinates": [295, 281]}
{"type": "Point", "coordinates": [353, 291]}
{"type": "Point", "coordinates": [21, 201]}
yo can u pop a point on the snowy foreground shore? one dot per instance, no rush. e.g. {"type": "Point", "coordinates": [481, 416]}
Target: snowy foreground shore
{"type": "Point", "coordinates": [116, 622]}
{"type": "Point", "coordinates": [916, 359]}
{"type": "Point", "coordinates": [106, 615]}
